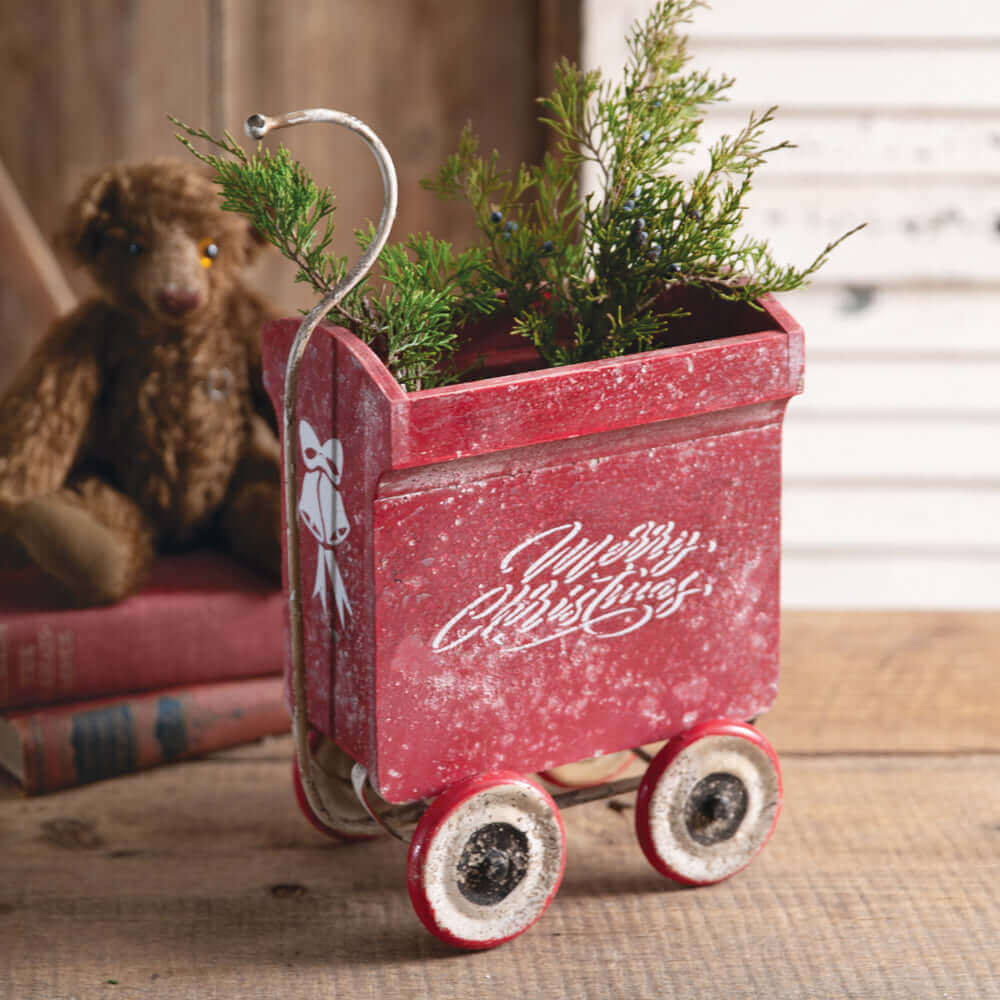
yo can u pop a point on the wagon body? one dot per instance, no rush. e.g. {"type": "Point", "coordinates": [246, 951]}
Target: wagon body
{"type": "Point", "coordinates": [538, 567]}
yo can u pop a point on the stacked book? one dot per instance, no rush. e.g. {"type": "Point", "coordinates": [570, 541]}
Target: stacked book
{"type": "Point", "coordinates": [190, 665]}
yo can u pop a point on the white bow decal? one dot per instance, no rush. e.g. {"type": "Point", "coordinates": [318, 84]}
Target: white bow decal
{"type": "Point", "coordinates": [322, 510]}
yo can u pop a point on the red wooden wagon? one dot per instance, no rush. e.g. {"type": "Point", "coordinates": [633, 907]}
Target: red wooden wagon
{"type": "Point", "coordinates": [532, 568]}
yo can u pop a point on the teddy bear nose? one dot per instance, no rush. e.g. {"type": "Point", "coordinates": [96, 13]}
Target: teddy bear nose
{"type": "Point", "coordinates": [177, 301]}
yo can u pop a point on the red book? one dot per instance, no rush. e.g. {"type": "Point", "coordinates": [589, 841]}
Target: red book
{"type": "Point", "coordinates": [201, 617]}
{"type": "Point", "coordinates": [61, 746]}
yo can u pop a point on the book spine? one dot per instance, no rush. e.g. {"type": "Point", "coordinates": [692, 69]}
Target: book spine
{"type": "Point", "coordinates": [68, 745]}
{"type": "Point", "coordinates": [143, 644]}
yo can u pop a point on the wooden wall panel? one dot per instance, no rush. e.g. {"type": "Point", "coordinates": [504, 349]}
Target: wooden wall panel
{"type": "Point", "coordinates": [831, 75]}
{"type": "Point", "coordinates": [35, 284]}
{"type": "Point", "coordinates": [876, 144]}
{"type": "Point", "coordinates": [918, 231]}
{"type": "Point", "coordinates": [769, 21]}
{"type": "Point", "coordinates": [87, 84]}
{"type": "Point", "coordinates": [891, 476]}
{"type": "Point", "coordinates": [827, 448]}
{"type": "Point", "coordinates": [866, 320]}
{"type": "Point", "coordinates": [416, 72]}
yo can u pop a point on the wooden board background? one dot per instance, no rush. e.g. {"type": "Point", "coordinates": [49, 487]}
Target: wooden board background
{"type": "Point", "coordinates": [88, 84]}
{"type": "Point", "coordinates": [881, 881]}
{"type": "Point", "coordinates": [896, 113]}
{"type": "Point", "coordinates": [892, 482]}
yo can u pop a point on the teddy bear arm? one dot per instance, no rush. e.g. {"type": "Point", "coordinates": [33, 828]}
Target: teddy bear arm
{"type": "Point", "coordinates": [251, 519]}
{"type": "Point", "coordinates": [249, 314]}
{"type": "Point", "coordinates": [47, 410]}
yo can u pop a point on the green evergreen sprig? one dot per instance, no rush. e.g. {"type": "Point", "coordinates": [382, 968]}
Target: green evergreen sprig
{"type": "Point", "coordinates": [595, 266]}
{"type": "Point", "coordinates": [428, 292]}
{"type": "Point", "coordinates": [581, 273]}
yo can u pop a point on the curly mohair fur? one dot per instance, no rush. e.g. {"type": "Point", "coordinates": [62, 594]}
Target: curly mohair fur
{"type": "Point", "coordinates": [139, 423]}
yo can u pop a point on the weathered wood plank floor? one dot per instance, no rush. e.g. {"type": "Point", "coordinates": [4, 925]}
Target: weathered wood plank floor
{"type": "Point", "coordinates": [882, 880]}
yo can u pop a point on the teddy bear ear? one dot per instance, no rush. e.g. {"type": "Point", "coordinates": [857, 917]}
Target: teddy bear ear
{"type": "Point", "coordinates": [89, 215]}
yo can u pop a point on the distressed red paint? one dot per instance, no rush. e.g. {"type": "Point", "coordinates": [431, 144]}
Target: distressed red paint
{"type": "Point", "coordinates": [544, 565]}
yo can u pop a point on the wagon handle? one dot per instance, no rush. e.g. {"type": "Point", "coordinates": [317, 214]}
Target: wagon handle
{"type": "Point", "coordinates": [257, 126]}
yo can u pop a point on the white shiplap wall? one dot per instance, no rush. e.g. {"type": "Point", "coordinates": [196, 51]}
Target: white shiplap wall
{"type": "Point", "coordinates": [892, 456]}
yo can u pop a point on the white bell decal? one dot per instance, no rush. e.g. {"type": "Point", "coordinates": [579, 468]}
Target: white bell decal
{"type": "Point", "coordinates": [322, 511]}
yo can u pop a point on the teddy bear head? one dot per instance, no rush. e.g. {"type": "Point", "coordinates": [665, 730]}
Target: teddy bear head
{"type": "Point", "coordinates": [155, 239]}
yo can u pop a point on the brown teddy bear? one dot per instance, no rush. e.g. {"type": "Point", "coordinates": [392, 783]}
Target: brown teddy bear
{"type": "Point", "coordinates": [139, 423]}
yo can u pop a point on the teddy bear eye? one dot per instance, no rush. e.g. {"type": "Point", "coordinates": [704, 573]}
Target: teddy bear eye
{"type": "Point", "coordinates": [209, 251]}
{"type": "Point", "coordinates": [135, 249]}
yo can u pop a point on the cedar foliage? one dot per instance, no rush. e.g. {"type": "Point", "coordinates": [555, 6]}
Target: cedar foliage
{"type": "Point", "coordinates": [580, 273]}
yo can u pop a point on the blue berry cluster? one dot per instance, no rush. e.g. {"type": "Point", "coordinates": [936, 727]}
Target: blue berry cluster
{"type": "Point", "coordinates": [510, 227]}
{"type": "Point", "coordinates": [651, 249]}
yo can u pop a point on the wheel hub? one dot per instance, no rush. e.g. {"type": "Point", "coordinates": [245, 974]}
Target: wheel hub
{"type": "Point", "coordinates": [715, 808]}
{"type": "Point", "coordinates": [492, 864]}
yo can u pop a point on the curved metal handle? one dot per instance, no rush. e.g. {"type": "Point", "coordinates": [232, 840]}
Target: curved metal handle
{"type": "Point", "coordinates": [257, 126]}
